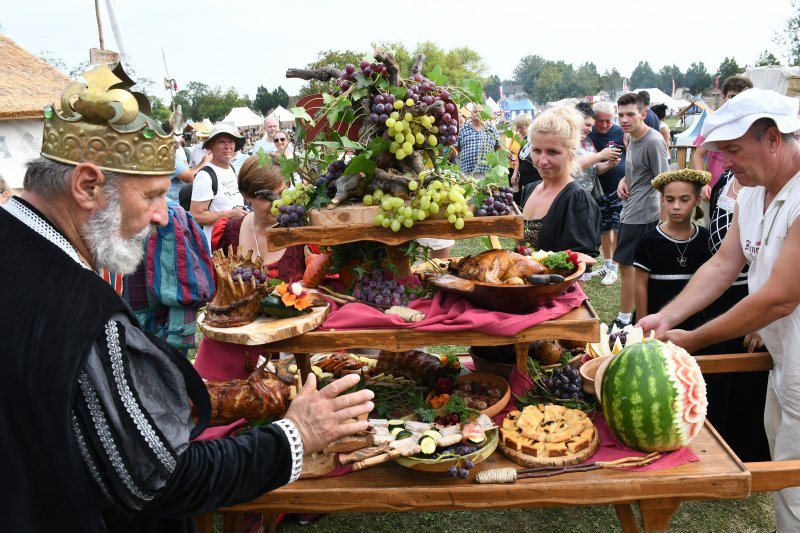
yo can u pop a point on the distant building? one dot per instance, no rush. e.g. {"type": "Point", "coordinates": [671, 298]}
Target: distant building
{"type": "Point", "coordinates": [513, 92]}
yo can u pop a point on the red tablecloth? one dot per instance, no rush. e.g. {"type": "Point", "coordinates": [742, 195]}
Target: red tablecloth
{"type": "Point", "coordinates": [450, 312]}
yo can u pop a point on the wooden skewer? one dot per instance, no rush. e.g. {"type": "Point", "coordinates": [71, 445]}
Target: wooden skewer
{"type": "Point", "coordinates": [509, 475]}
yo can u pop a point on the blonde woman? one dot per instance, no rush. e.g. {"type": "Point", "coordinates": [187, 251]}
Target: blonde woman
{"type": "Point", "coordinates": [559, 214]}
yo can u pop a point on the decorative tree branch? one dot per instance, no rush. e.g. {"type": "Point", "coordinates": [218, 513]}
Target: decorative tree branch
{"type": "Point", "coordinates": [321, 74]}
{"type": "Point", "coordinates": [418, 64]}
{"type": "Point", "coordinates": [392, 68]}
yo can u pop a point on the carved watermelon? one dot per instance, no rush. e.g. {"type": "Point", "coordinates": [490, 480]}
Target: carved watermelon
{"type": "Point", "coordinates": [654, 396]}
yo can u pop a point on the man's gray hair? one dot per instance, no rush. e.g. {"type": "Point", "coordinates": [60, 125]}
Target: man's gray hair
{"type": "Point", "coordinates": [50, 179]}
{"type": "Point", "coordinates": [607, 108]}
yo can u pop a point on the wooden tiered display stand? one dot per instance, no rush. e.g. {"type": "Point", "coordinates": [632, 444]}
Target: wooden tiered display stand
{"type": "Point", "coordinates": [581, 324]}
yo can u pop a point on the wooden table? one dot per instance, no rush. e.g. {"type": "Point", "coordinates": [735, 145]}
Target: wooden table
{"type": "Point", "coordinates": [580, 324]}
{"type": "Point", "coordinates": [391, 488]}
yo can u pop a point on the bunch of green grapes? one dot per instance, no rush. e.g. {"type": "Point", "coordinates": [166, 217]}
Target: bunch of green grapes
{"type": "Point", "coordinates": [409, 132]}
{"type": "Point", "coordinates": [425, 202]}
{"type": "Point", "coordinates": [290, 208]}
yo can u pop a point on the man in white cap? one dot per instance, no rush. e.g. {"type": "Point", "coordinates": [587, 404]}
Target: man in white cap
{"type": "Point", "coordinates": [755, 133]}
{"type": "Point", "coordinates": [215, 193]}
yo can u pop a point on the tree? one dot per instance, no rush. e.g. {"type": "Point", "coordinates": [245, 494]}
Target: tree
{"type": "Point", "coordinates": [643, 76]}
{"type": "Point", "coordinates": [280, 97]}
{"type": "Point", "coordinates": [457, 64]}
{"type": "Point", "coordinates": [666, 75]}
{"type": "Point", "coordinates": [492, 87]}
{"type": "Point", "coordinates": [729, 67]}
{"type": "Point", "coordinates": [697, 78]}
{"type": "Point", "coordinates": [586, 80]}
{"type": "Point", "coordinates": [790, 37]}
{"type": "Point", "coordinates": [263, 100]}
{"type": "Point", "coordinates": [767, 58]}
{"type": "Point", "coordinates": [611, 82]}
{"type": "Point", "coordinates": [54, 60]}
{"type": "Point", "coordinates": [527, 71]}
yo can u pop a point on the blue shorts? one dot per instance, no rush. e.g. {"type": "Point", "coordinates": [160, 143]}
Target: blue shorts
{"type": "Point", "coordinates": [610, 208]}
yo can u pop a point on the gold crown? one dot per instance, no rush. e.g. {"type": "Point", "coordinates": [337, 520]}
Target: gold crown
{"type": "Point", "coordinates": [107, 125]}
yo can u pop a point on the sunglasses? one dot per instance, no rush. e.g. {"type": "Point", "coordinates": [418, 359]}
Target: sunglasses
{"type": "Point", "coordinates": [280, 140]}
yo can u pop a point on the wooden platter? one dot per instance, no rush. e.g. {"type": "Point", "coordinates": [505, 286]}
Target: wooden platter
{"type": "Point", "coordinates": [441, 466]}
{"type": "Point", "coordinates": [531, 461]}
{"type": "Point", "coordinates": [265, 329]}
{"type": "Point", "coordinates": [503, 226]}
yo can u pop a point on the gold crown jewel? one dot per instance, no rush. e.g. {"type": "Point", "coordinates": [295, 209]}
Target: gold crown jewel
{"type": "Point", "coordinates": [106, 123]}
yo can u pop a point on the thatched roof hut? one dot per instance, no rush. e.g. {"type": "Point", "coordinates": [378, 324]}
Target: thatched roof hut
{"type": "Point", "coordinates": [27, 83]}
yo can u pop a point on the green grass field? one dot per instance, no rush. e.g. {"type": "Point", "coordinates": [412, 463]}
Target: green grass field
{"type": "Point", "coordinates": [752, 515]}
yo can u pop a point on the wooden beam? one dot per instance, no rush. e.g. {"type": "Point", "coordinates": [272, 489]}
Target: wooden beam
{"type": "Point", "coordinates": [768, 476]}
{"type": "Point", "coordinates": [734, 362]}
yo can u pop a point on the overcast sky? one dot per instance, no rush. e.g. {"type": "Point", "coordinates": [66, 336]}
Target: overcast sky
{"type": "Point", "coordinates": [245, 44]}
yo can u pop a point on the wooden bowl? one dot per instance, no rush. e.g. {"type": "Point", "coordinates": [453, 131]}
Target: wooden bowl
{"type": "Point", "coordinates": [506, 298]}
{"type": "Point", "coordinates": [598, 377]}
{"type": "Point", "coordinates": [497, 381]}
{"type": "Point", "coordinates": [589, 372]}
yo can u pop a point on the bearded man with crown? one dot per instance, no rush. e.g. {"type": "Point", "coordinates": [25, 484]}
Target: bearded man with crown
{"type": "Point", "coordinates": [96, 415]}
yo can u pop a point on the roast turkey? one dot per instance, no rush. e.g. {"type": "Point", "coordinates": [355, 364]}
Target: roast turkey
{"type": "Point", "coordinates": [498, 266]}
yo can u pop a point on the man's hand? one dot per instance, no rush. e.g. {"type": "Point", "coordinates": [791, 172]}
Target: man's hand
{"type": "Point", "coordinates": [680, 337]}
{"type": "Point", "coordinates": [610, 153]}
{"type": "Point", "coordinates": [705, 192]}
{"type": "Point", "coordinates": [236, 212]}
{"type": "Point", "coordinates": [753, 341]}
{"type": "Point", "coordinates": [206, 158]}
{"type": "Point", "coordinates": [622, 190]}
{"type": "Point", "coordinates": [319, 415]}
{"type": "Point", "coordinates": [655, 322]}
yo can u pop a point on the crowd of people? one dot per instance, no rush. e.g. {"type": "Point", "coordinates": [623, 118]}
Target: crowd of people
{"type": "Point", "coordinates": [117, 426]}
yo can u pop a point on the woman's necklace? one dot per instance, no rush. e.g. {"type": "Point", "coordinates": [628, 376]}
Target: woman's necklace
{"type": "Point", "coordinates": [681, 259]}
{"type": "Point", "coordinates": [734, 189]}
{"type": "Point", "coordinates": [255, 238]}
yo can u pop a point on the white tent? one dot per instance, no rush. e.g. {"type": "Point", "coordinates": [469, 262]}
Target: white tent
{"type": "Point", "coordinates": [284, 117]}
{"type": "Point", "coordinates": [657, 96]}
{"type": "Point", "coordinates": [243, 117]}
{"type": "Point", "coordinates": [785, 80]}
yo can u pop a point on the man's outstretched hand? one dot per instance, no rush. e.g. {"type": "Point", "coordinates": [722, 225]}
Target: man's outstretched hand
{"type": "Point", "coordinates": [318, 415]}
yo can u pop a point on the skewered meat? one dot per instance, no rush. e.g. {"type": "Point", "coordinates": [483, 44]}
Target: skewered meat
{"type": "Point", "coordinates": [422, 367]}
{"type": "Point", "coordinates": [338, 362]}
{"type": "Point", "coordinates": [498, 266]}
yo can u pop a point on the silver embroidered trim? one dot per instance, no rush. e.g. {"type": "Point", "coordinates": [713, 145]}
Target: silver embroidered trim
{"type": "Point", "coordinates": [296, 443]}
{"type": "Point", "coordinates": [671, 277]}
{"type": "Point", "coordinates": [43, 228]}
{"type": "Point", "coordinates": [147, 431]}
{"type": "Point", "coordinates": [104, 433]}
{"type": "Point", "coordinates": [87, 458]}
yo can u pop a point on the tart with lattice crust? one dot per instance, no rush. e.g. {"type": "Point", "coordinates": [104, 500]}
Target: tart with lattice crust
{"type": "Point", "coordinates": [545, 435]}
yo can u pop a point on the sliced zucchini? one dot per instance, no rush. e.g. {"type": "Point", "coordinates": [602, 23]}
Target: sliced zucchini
{"type": "Point", "coordinates": [427, 445]}
{"type": "Point", "coordinates": [396, 424]}
{"type": "Point", "coordinates": [432, 433]}
{"type": "Point", "coordinates": [402, 434]}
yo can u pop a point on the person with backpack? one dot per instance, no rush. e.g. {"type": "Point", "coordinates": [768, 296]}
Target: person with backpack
{"type": "Point", "coordinates": [173, 281]}
{"type": "Point", "coordinates": [215, 191]}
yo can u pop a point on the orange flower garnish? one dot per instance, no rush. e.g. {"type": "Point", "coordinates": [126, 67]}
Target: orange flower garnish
{"type": "Point", "coordinates": [288, 299]}
{"type": "Point", "coordinates": [282, 289]}
{"type": "Point", "coordinates": [303, 302]}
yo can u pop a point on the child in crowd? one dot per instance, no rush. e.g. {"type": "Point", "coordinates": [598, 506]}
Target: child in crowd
{"type": "Point", "coordinates": [669, 254]}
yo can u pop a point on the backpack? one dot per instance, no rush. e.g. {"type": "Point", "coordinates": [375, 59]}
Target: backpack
{"type": "Point", "coordinates": [179, 278]}
{"type": "Point", "coordinates": [185, 194]}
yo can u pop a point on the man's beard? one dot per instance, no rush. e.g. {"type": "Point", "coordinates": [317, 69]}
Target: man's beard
{"type": "Point", "coordinates": [109, 250]}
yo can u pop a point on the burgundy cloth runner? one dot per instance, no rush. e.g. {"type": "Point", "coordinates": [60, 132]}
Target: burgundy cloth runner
{"type": "Point", "coordinates": [449, 312]}
{"type": "Point", "coordinates": [610, 448]}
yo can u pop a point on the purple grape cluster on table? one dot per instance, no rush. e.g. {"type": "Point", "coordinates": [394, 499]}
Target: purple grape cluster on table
{"type": "Point", "coordinates": [461, 471]}
{"type": "Point", "coordinates": [381, 107]}
{"type": "Point", "coordinates": [565, 383]}
{"type": "Point", "coordinates": [328, 180]}
{"type": "Point", "coordinates": [247, 273]}
{"type": "Point", "coordinates": [498, 202]}
{"type": "Point", "coordinates": [291, 216]}
{"type": "Point", "coordinates": [421, 89]}
{"type": "Point", "coordinates": [373, 288]}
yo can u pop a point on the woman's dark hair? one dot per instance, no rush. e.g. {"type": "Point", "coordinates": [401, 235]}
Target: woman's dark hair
{"type": "Point", "coordinates": [660, 110]}
{"type": "Point", "coordinates": [586, 109]}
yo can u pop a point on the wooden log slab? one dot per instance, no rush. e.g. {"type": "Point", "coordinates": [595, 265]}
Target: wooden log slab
{"type": "Point", "coordinates": [343, 215]}
{"type": "Point", "coordinates": [265, 329]}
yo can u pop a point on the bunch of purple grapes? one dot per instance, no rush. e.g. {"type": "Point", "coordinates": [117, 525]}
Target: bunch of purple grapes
{"type": "Point", "coordinates": [498, 202]}
{"type": "Point", "coordinates": [292, 216]}
{"type": "Point", "coordinates": [349, 74]}
{"type": "Point", "coordinates": [612, 338]}
{"type": "Point", "coordinates": [247, 273]}
{"type": "Point", "coordinates": [565, 383]}
{"type": "Point", "coordinates": [373, 288]}
{"type": "Point", "coordinates": [461, 471]}
{"type": "Point", "coordinates": [328, 180]}
{"type": "Point", "coordinates": [381, 107]}
{"type": "Point", "coordinates": [421, 89]}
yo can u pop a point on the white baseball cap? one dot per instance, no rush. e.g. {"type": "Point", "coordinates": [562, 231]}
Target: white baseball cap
{"type": "Point", "coordinates": [733, 119]}
{"type": "Point", "coordinates": [226, 129]}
